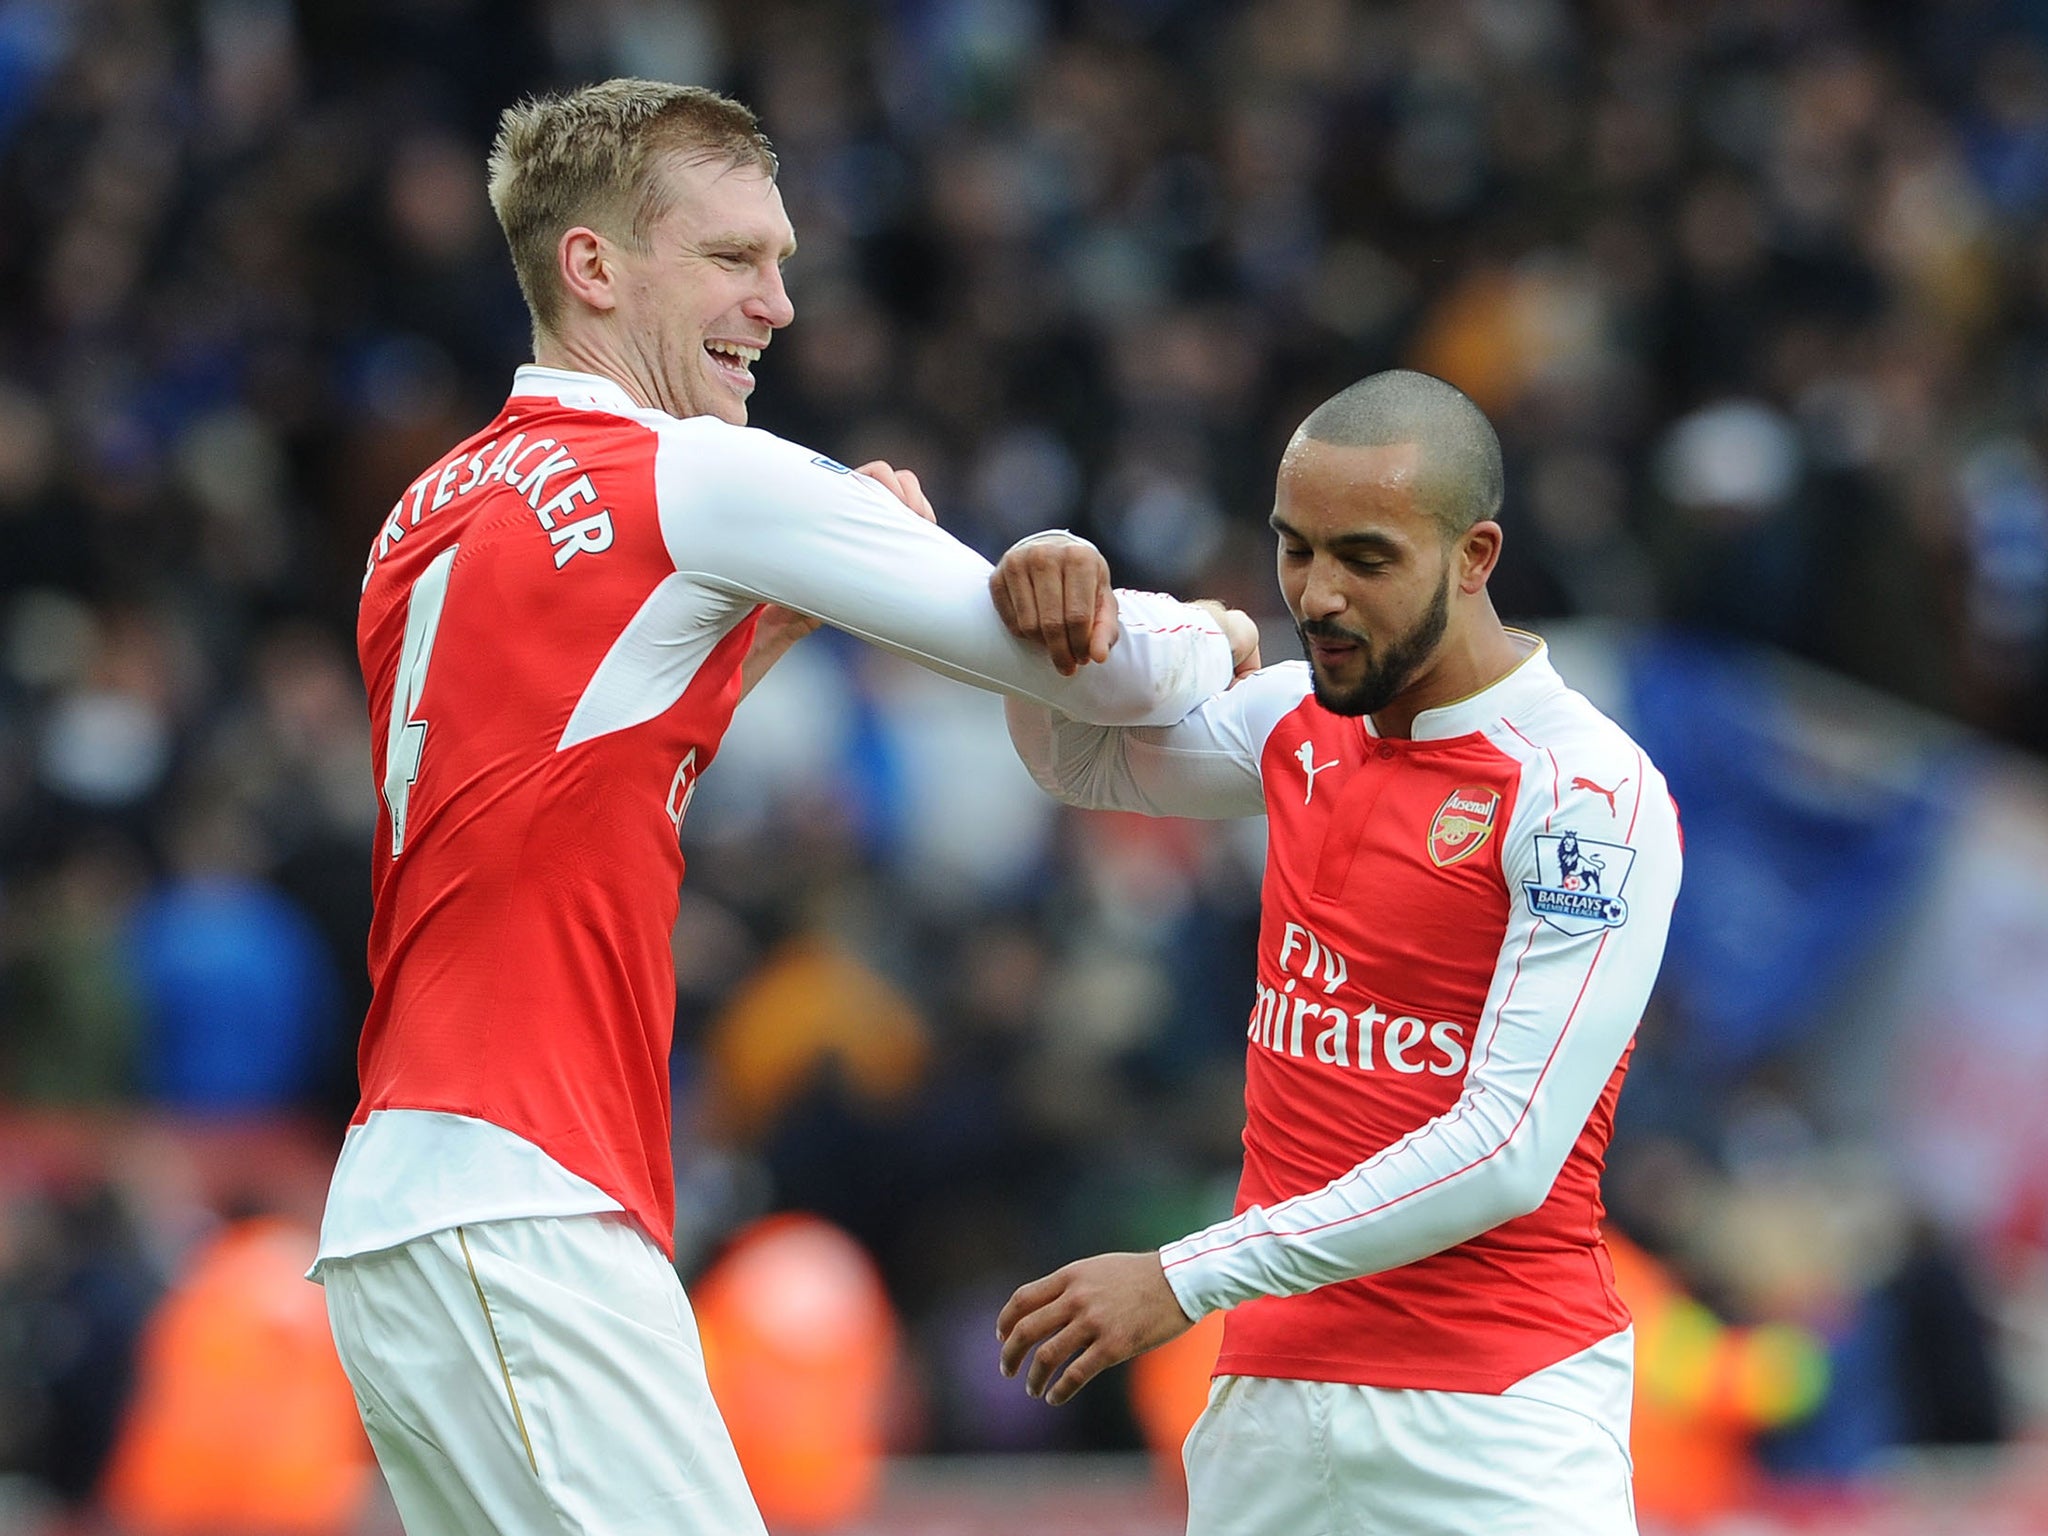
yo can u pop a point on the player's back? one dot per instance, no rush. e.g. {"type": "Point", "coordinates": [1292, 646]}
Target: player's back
{"type": "Point", "coordinates": [536, 747]}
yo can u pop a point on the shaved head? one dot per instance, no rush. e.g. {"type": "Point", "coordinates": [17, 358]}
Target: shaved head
{"type": "Point", "coordinates": [1458, 481]}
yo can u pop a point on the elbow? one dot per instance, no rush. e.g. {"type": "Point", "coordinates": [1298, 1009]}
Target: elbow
{"type": "Point", "coordinates": [1058, 788]}
{"type": "Point", "coordinates": [1125, 706]}
{"type": "Point", "coordinates": [1036, 735]}
{"type": "Point", "coordinates": [1110, 695]}
{"type": "Point", "coordinates": [1521, 1186]}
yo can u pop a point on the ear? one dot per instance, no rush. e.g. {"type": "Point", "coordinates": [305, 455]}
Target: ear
{"type": "Point", "coordinates": [1477, 553]}
{"type": "Point", "coordinates": [584, 261]}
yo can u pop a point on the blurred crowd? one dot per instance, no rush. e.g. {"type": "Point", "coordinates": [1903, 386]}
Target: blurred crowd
{"type": "Point", "coordinates": [1755, 290]}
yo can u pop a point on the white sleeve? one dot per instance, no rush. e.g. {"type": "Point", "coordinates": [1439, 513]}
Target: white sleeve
{"type": "Point", "coordinates": [769, 521]}
{"type": "Point", "coordinates": [1569, 988]}
{"type": "Point", "coordinates": [1206, 766]}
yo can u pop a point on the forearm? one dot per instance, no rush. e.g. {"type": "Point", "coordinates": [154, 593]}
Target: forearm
{"type": "Point", "coordinates": [768, 521]}
{"type": "Point", "coordinates": [1205, 766]}
{"type": "Point", "coordinates": [775, 632]}
{"type": "Point", "coordinates": [1170, 656]}
{"type": "Point", "coordinates": [1480, 1165]}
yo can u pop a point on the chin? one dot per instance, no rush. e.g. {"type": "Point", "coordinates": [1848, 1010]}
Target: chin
{"type": "Point", "coordinates": [1365, 696]}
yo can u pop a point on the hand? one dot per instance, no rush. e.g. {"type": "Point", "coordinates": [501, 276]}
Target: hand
{"type": "Point", "coordinates": [1241, 631]}
{"type": "Point", "coordinates": [1055, 593]}
{"type": "Point", "coordinates": [1085, 1318]}
{"type": "Point", "coordinates": [901, 484]}
{"type": "Point", "coordinates": [781, 627]}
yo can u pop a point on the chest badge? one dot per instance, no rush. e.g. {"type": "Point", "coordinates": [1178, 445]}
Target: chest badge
{"type": "Point", "coordinates": [1305, 754]}
{"type": "Point", "coordinates": [1463, 824]}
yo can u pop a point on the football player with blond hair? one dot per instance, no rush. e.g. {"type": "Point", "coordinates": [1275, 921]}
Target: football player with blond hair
{"type": "Point", "coordinates": [558, 618]}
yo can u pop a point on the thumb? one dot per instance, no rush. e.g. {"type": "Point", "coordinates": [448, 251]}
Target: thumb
{"type": "Point", "coordinates": [1103, 637]}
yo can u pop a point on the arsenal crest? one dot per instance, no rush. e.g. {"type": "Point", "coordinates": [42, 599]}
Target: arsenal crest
{"type": "Point", "coordinates": [1463, 824]}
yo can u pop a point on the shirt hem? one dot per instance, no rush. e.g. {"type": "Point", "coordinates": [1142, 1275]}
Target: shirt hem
{"type": "Point", "coordinates": [1433, 1376]}
{"type": "Point", "coordinates": [398, 1237]}
{"type": "Point", "coordinates": [361, 1219]}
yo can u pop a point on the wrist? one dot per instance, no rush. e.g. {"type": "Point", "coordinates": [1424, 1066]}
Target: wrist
{"type": "Point", "coordinates": [1044, 534]}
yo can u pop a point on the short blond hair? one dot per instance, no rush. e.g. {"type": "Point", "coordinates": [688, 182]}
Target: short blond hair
{"type": "Point", "coordinates": [592, 157]}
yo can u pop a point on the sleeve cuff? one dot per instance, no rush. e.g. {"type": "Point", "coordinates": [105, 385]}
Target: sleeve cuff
{"type": "Point", "coordinates": [1181, 1284]}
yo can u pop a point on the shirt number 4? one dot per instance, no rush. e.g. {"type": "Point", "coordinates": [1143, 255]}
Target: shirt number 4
{"type": "Point", "coordinates": [406, 741]}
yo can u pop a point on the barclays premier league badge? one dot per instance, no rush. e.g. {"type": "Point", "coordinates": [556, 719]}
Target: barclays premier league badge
{"type": "Point", "coordinates": [1578, 882]}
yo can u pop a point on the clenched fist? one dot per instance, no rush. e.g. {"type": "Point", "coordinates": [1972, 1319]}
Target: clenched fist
{"type": "Point", "coordinates": [1053, 590]}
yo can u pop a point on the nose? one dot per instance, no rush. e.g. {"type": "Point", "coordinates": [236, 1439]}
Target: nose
{"type": "Point", "coordinates": [1322, 596]}
{"type": "Point", "coordinates": [770, 304]}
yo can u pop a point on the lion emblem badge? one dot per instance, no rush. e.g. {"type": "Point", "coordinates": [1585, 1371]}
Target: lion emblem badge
{"type": "Point", "coordinates": [1578, 882]}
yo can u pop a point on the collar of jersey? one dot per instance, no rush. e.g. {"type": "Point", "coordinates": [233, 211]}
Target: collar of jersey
{"type": "Point", "coordinates": [1528, 680]}
{"type": "Point", "coordinates": [578, 391]}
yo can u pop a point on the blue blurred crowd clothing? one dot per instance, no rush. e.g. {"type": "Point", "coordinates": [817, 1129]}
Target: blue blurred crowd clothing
{"type": "Point", "coordinates": [1798, 864]}
{"type": "Point", "coordinates": [238, 995]}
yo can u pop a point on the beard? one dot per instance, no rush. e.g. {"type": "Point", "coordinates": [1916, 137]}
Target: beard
{"type": "Point", "coordinates": [1387, 671]}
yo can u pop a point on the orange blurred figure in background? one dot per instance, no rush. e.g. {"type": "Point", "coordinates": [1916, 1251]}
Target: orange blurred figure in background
{"type": "Point", "coordinates": [800, 1345]}
{"type": "Point", "coordinates": [1169, 1390]}
{"type": "Point", "coordinates": [1704, 1391]}
{"type": "Point", "coordinates": [242, 1420]}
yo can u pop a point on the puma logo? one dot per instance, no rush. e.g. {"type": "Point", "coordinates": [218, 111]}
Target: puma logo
{"type": "Point", "coordinates": [1606, 794]}
{"type": "Point", "coordinates": [1305, 754]}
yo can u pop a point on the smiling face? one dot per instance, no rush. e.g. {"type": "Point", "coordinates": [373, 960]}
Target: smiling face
{"type": "Point", "coordinates": [1366, 571]}
{"type": "Point", "coordinates": [698, 304]}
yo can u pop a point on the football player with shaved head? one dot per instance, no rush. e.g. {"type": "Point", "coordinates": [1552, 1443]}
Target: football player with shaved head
{"type": "Point", "coordinates": [557, 621]}
{"type": "Point", "coordinates": [1470, 874]}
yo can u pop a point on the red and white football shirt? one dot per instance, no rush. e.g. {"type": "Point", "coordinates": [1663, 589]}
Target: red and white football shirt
{"type": "Point", "coordinates": [1458, 935]}
{"type": "Point", "coordinates": [552, 627]}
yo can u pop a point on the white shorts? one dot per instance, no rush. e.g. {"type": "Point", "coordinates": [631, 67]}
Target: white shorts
{"type": "Point", "coordinates": [1548, 1457]}
{"type": "Point", "coordinates": [539, 1375]}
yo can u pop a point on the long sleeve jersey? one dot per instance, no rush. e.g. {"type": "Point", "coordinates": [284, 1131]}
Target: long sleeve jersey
{"type": "Point", "coordinates": [1458, 935]}
{"type": "Point", "coordinates": [552, 628]}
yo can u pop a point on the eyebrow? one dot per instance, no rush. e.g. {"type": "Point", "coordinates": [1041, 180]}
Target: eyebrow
{"type": "Point", "coordinates": [751, 244]}
{"type": "Point", "coordinates": [1364, 540]}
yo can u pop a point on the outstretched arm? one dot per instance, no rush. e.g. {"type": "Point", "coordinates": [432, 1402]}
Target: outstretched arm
{"type": "Point", "coordinates": [768, 521]}
{"type": "Point", "coordinates": [780, 628]}
{"type": "Point", "coordinates": [1052, 590]}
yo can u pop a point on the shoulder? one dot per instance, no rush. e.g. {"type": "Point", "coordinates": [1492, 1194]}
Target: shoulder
{"type": "Point", "coordinates": [703, 457]}
{"type": "Point", "coordinates": [1565, 726]}
{"type": "Point", "coordinates": [1586, 778]}
{"type": "Point", "coordinates": [1285, 682]}
{"type": "Point", "coordinates": [709, 438]}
